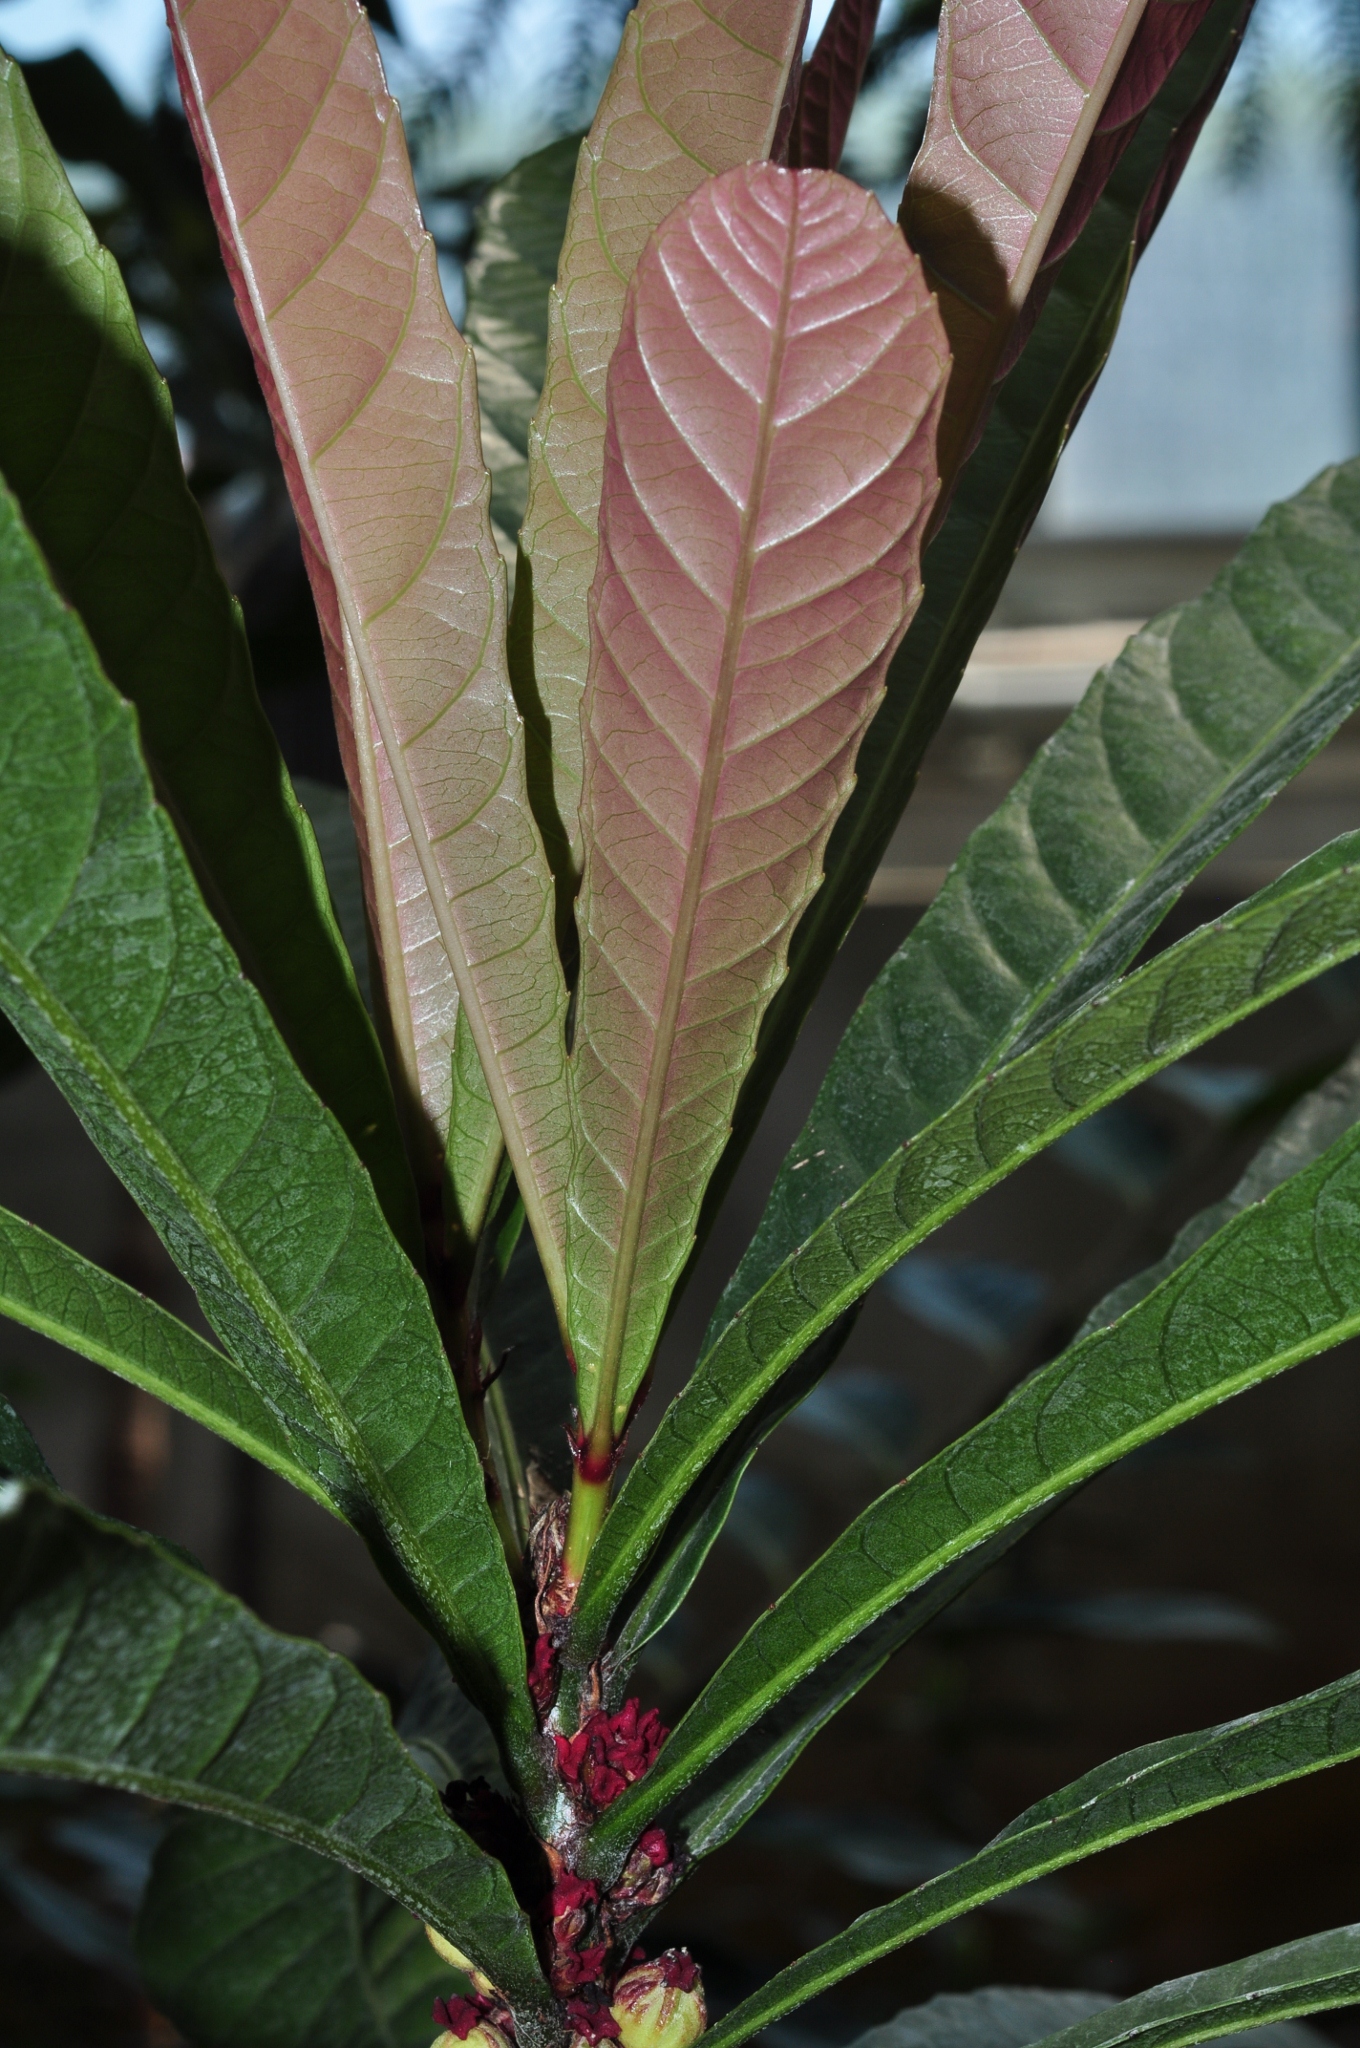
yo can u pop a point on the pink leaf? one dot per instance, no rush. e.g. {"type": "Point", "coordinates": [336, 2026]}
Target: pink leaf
{"type": "Point", "coordinates": [1020, 87]}
{"type": "Point", "coordinates": [372, 394]}
{"type": "Point", "coordinates": [697, 89]}
{"type": "Point", "coordinates": [769, 464]}
{"type": "Point", "coordinates": [830, 85]}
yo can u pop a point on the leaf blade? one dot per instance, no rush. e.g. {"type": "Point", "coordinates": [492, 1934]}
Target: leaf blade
{"type": "Point", "coordinates": [122, 533]}
{"type": "Point", "coordinates": [125, 989]}
{"type": "Point", "coordinates": [1218, 1319]}
{"type": "Point", "coordinates": [319, 221]}
{"type": "Point", "coordinates": [998, 953]}
{"type": "Point", "coordinates": [1183, 997]}
{"type": "Point", "coordinates": [718, 751]}
{"type": "Point", "coordinates": [208, 1708]}
{"type": "Point", "coordinates": [244, 1937]}
{"type": "Point", "coordinates": [695, 90]}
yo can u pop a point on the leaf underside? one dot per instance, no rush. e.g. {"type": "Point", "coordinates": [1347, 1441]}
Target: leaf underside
{"type": "Point", "coordinates": [372, 393]}
{"type": "Point", "coordinates": [769, 467]}
{"type": "Point", "coordinates": [695, 90]}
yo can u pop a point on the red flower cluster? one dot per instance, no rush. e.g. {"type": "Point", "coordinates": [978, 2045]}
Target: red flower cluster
{"type": "Point", "coordinates": [459, 2015]}
{"type": "Point", "coordinates": [573, 1914]}
{"type": "Point", "coordinates": [679, 1971]}
{"type": "Point", "coordinates": [543, 1675]}
{"type": "Point", "coordinates": [610, 1752]}
{"type": "Point", "coordinates": [646, 1879]}
{"type": "Point", "coordinates": [590, 2015]}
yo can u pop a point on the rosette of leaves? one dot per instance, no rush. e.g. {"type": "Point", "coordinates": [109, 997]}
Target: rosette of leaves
{"type": "Point", "coordinates": [607, 846]}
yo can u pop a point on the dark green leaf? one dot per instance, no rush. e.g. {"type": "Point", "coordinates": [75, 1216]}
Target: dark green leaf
{"type": "Point", "coordinates": [511, 273]}
{"type": "Point", "coordinates": [1189, 993]}
{"type": "Point", "coordinates": [20, 1457]}
{"type": "Point", "coordinates": [88, 446]}
{"type": "Point", "coordinates": [243, 1938]}
{"type": "Point", "coordinates": [966, 565]}
{"type": "Point", "coordinates": [1278, 1284]}
{"type": "Point", "coordinates": [119, 1665]}
{"type": "Point", "coordinates": [125, 989]}
{"type": "Point", "coordinates": [1144, 1789]}
{"type": "Point", "coordinates": [328, 814]}
{"type": "Point", "coordinates": [51, 1289]}
{"type": "Point", "coordinates": [1175, 746]}
{"type": "Point", "coordinates": [1313, 1975]}
{"type": "Point", "coordinates": [1310, 1127]}
{"type": "Point", "coordinates": [1001, 2016]}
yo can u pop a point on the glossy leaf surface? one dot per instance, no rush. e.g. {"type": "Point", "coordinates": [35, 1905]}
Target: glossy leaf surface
{"type": "Point", "coordinates": [1130, 1795]}
{"type": "Point", "coordinates": [1173, 749]}
{"type": "Point", "coordinates": [120, 1665]}
{"type": "Point", "coordinates": [88, 446]}
{"type": "Point", "coordinates": [966, 564]}
{"type": "Point", "coordinates": [1187, 995]}
{"type": "Point", "coordinates": [769, 466]}
{"type": "Point", "coordinates": [829, 84]}
{"type": "Point", "coordinates": [373, 397]}
{"type": "Point", "coordinates": [695, 90]}
{"type": "Point", "coordinates": [510, 275]}
{"type": "Point", "coordinates": [1018, 91]}
{"type": "Point", "coordinates": [1279, 1284]}
{"type": "Point", "coordinates": [49, 1288]}
{"type": "Point", "coordinates": [242, 1937]}
{"type": "Point", "coordinates": [128, 993]}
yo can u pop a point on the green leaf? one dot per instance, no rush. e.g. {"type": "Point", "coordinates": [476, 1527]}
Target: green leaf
{"type": "Point", "coordinates": [509, 278]}
{"type": "Point", "coordinates": [1278, 1284]}
{"type": "Point", "coordinates": [128, 993]}
{"type": "Point", "coordinates": [328, 814]}
{"type": "Point", "coordinates": [49, 1288]}
{"type": "Point", "coordinates": [965, 566]}
{"type": "Point", "coordinates": [1316, 1974]}
{"type": "Point", "coordinates": [243, 1938]}
{"type": "Point", "coordinates": [1311, 1126]}
{"type": "Point", "coordinates": [1173, 749]}
{"type": "Point", "coordinates": [1188, 994]}
{"type": "Point", "coordinates": [120, 1665]}
{"type": "Point", "coordinates": [999, 2016]}
{"type": "Point", "coordinates": [88, 446]}
{"type": "Point", "coordinates": [20, 1457]}
{"type": "Point", "coordinates": [1146, 1788]}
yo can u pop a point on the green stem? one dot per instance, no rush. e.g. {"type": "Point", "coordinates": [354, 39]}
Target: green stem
{"type": "Point", "coordinates": [589, 1505]}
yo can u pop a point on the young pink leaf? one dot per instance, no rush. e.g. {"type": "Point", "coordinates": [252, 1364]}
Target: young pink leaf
{"type": "Point", "coordinates": [769, 464]}
{"type": "Point", "coordinates": [372, 393]}
{"type": "Point", "coordinates": [697, 89]}
{"type": "Point", "coordinates": [1020, 86]}
{"type": "Point", "coordinates": [830, 85]}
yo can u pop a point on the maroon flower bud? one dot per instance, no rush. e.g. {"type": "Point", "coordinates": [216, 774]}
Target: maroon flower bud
{"type": "Point", "coordinates": [543, 1675]}
{"type": "Point", "coordinates": [464, 2020]}
{"type": "Point", "coordinates": [647, 1877]}
{"type": "Point", "coordinates": [591, 2019]}
{"type": "Point", "coordinates": [661, 2004]}
{"type": "Point", "coordinates": [609, 1752]}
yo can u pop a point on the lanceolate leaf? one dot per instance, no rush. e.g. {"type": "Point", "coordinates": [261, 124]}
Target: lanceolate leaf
{"type": "Point", "coordinates": [695, 90]}
{"type": "Point", "coordinates": [1131, 1795]}
{"type": "Point", "coordinates": [373, 397]}
{"type": "Point", "coordinates": [1187, 995]}
{"type": "Point", "coordinates": [125, 989]}
{"type": "Point", "coordinates": [1173, 749]}
{"type": "Point", "coordinates": [768, 469]}
{"type": "Point", "coordinates": [88, 446]}
{"type": "Point", "coordinates": [1310, 1127]}
{"type": "Point", "coordinates": [1279, 1284]}
{"type": "Point", "coordinates": [829, 85]}
{"type": "Point", "coordinates": [120, 1665]}
{"type": "Point", "coordinates": [966, 564]}
{"type": "Point", "coordinates": [242, 1937]}
{"type": "Point", "coordinates": [509, 278]}
{"type": "Point", "coordinates": [49, 1288]}
{"type": "Point", "coordinates": [1020, 92]}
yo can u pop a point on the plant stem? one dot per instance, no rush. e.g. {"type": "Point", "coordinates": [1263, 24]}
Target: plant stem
{"type": "Point", "coordinates": [589, 1504]}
